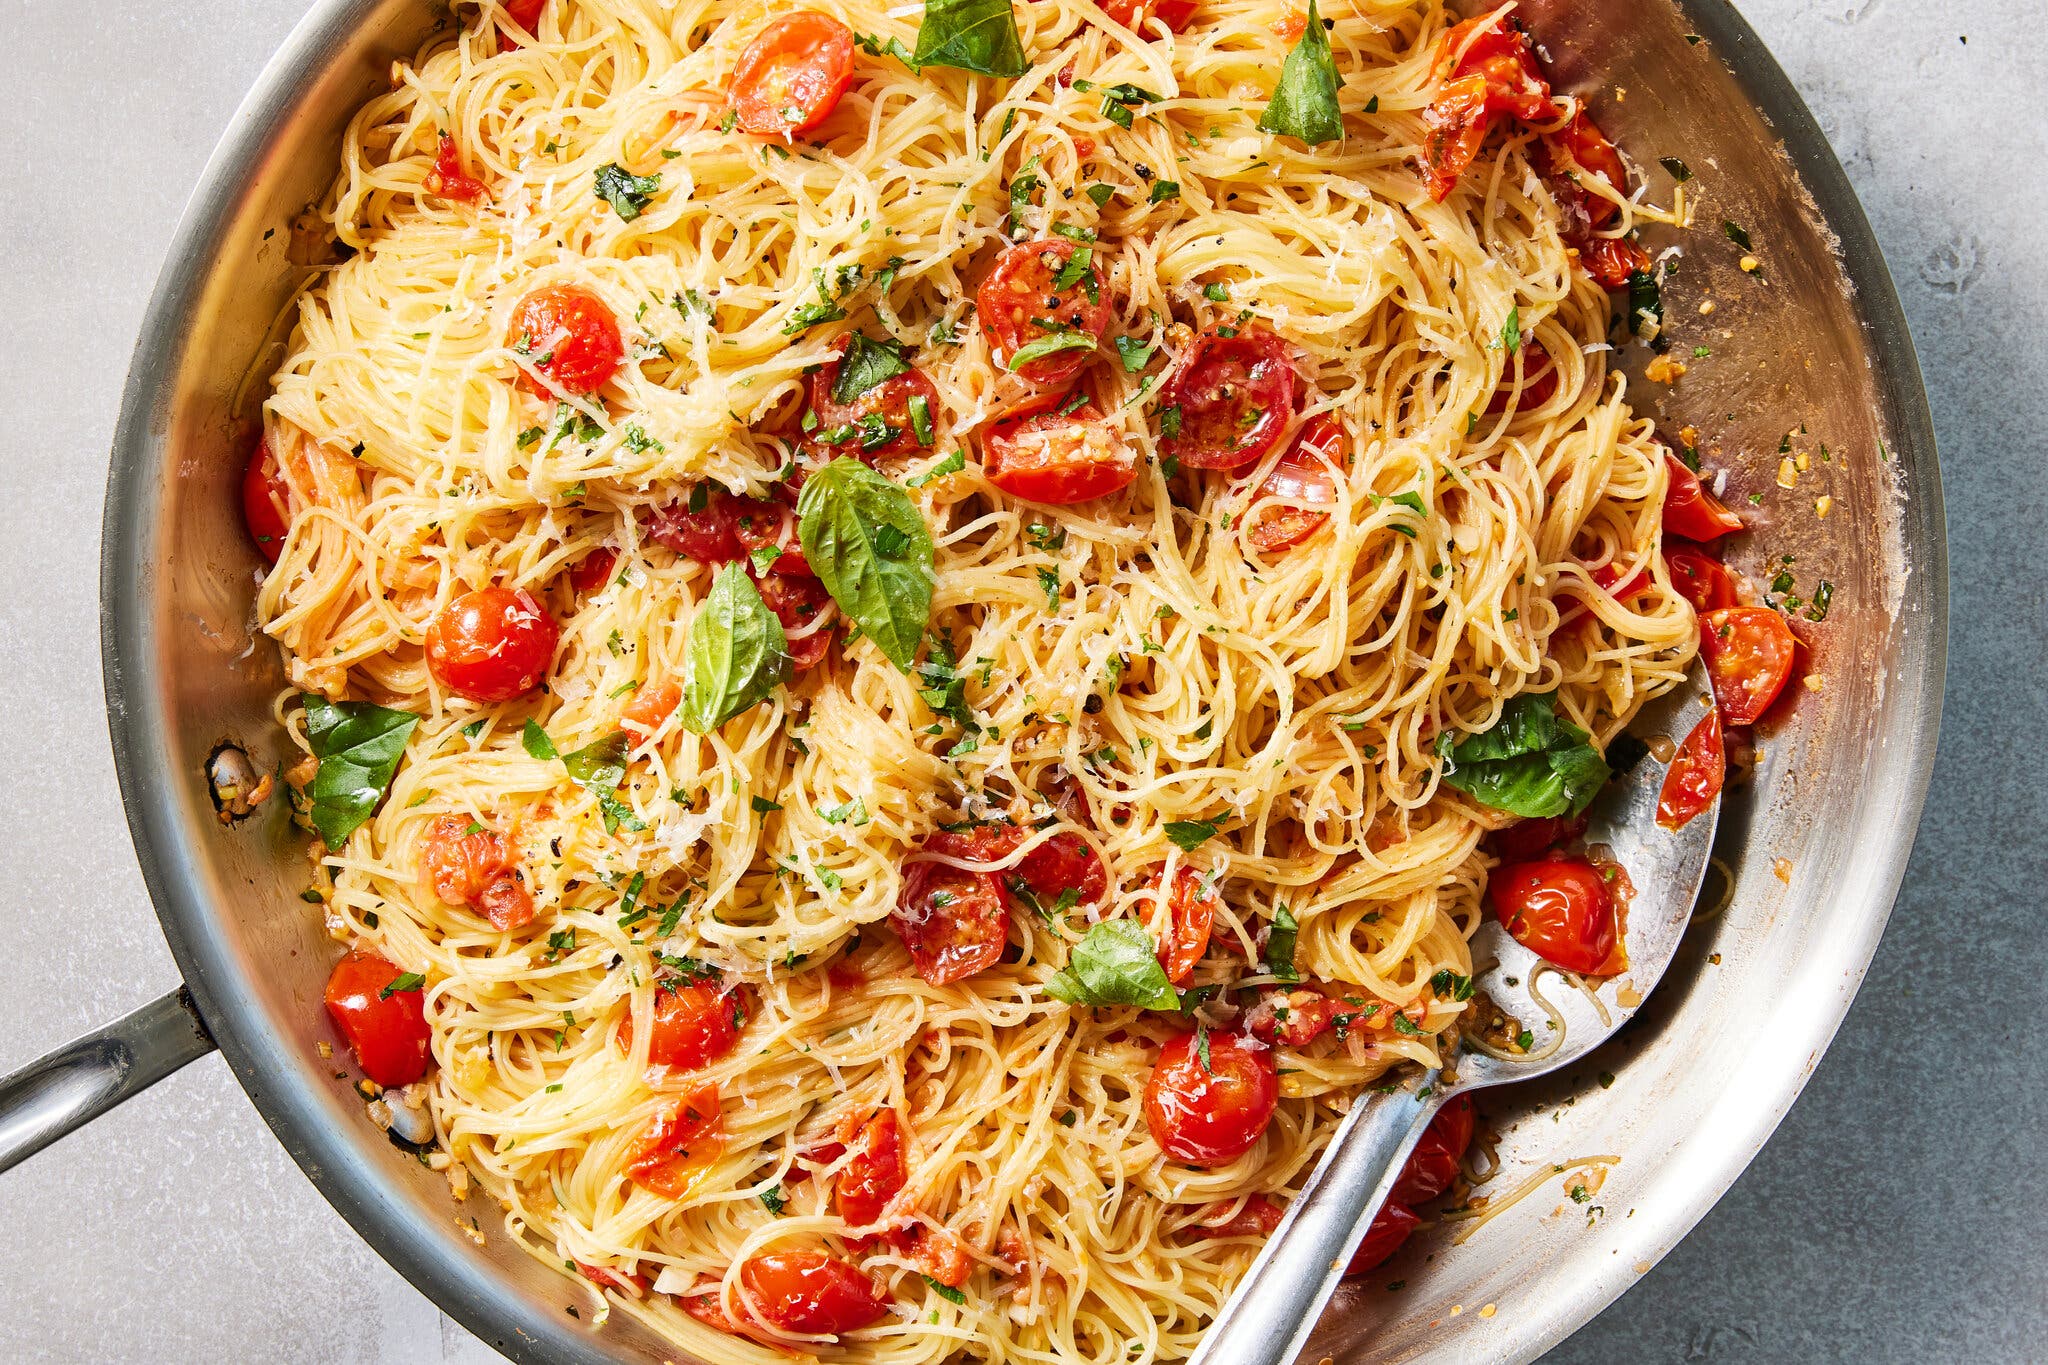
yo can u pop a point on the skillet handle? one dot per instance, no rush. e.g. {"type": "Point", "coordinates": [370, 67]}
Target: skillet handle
{"type": "Point", "coordinates": [90, 1075]}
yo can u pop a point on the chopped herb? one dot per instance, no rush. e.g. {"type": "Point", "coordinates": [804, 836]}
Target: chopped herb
{"type": "Point", "coordinates": [1679, 170]}
{"type": "Point", "coordinates": [1163, 190]}
{"type": "Point", "coordinates": [404, 981]}
{"type": "Point", "coordinates": [1136, 354]}
{"type": "Point", "coordinates": [1188, 835]}
{"type": "Point", "coordinates": [952, 464]}
{"type": "Point", "coordinates": [1101, 194]}
{"type": "Point", "coordinates": [1280, 940]}
{"type": "Point", "coordinates": [946, 1291]}
{"type": "Point", "coordinates": [1737, 234]}
{"type": "Point", "coordinates": [628, 194]}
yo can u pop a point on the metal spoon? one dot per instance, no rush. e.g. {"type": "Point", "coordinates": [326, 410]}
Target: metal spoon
{"type": "Point", "coordinates": [1277, 1303]}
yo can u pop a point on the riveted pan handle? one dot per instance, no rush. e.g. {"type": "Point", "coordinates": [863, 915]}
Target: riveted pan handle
{"type": "Point", "coordinates": [90, 1075]}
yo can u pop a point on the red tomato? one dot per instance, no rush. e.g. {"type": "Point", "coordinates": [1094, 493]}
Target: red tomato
{"type": "Point", "coordinates": [1390, 1228]}
{"type": "Point", "coordinates": [1454, 129]}
{"type": "Point", "coordinates": [1539, 383]}
{"type": "Point", "coordinates": [607, 1277]}
{"type": "Point", "coordinates": [1233, 397]}
{"type": "Point", "coordinates": [388, 1033]}
{"type": "Point", "coordinates": [266, 502]}
{"type": "Point", "coordinates": [1749, 652]}
{"type": "Point", "coordinates": [466, 864]}
{"type": "Point", "coordinates": [1209, 1115]}
{"type": "Point", "coordinates": [1583, 144]}
{"type": "Point", "coordinates": [1046, 449]}
{"type": "Point", "coordinates": [1559, 908]}
{"type": "Point", "coordinates": [1257, 1217]}
{"type": "Point", "coordinates": [1527, 840]}
{"type": "Point", "coordinates": [679, 1143]}
{"type": "Point", "coordinates": [875, 1172]}
{"type": "Point", "coordinates": [1611, 260]}
{"type": "Point", "coordinates": [1191, 914]}
{"type": "Point", "coordinates": [1021, 303]}
{"type": "Point", "coordinates": [1282, 511]}
{"type": "Point", "coordinates": [1699, 578]}
{"type": "Point", "coordinates": [1433, 1165]}
{"type": "Point", "coordinates": [593, 571]}
{"type": "Point", "coordinates": [954, 922]}
{"type": "Point", "coordinates": [1487, 69]}
{"type": "Point", "coordinates": [704, 528]}
{"type": "Point", "coordinates": [448, 179]}
{"type": "Point", "coordinates": [492, 644]}
{"type": "Point", "coordinates": [1690, 510]}
{"type": "Point", "coordinates": [1296, 1018]}
{"type": "Point", "coordinates": [652, 704]}
{"type": "Point", "coordinates": [1132, 14]}
{"type": "Point", "coordinates": [1696, 773]}
{"type": "Point", "coordinates": [1608, 576]}
{"type": "Point", "coordinates": [526, 13]}
{"type": "Point", "coordinates": [1065, 862]}
{"type": "Point", "coordinates": [695, 1023]}
{"type": "Point", "coordinates": [797, 602]}
{"type": "Point", "coordinates": [566, 333]}
{"type": "Point", "coordinates": [889, 400]}
{"type": "Point", "coordinates": [811, 1293]}
{"type": "Point", "coordinates": [937, 1252]}
{"type": "Point", "coordinates": [791, 76]}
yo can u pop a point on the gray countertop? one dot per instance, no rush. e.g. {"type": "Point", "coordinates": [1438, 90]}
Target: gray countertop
{"type": "Point", "coordinates": [1894, 1217]}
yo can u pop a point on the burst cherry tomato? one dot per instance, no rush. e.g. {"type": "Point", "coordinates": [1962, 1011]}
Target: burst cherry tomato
{"type": "Point", "coordinates": [1690, 510]}
{"type": "Point", "coordinates": [811, 1293]}
{"type": "Point", "coordinates": [799, 603]}
{"type": "Point", "coordinates": [1561, 909]}
{"type": "Point", "coordinates": [1582, 144]}
{"type": "Point", "coordinates": [1022, 304]}
{"type": "Point", "coordinates": [568, 334]}
{"type": "Point", "coordinates": [695, 1023]}
{"type": "Point", "coordinates": [466, 864]}
{"type": "Point", "coordinates": [907, 404]}
{"type": "Point", "coordinates": [1211, 1111]}
{"type": "Point", "coordinates": [938, 1252]}
{"type": "Point", "coordinates": [1749, 652]}
{"type": "Point", "coordinates": [388, 1032]}
{"type": "Point", "coordinates": [1257, 1218]}
{"type": "Point", "coordinates": [1232, 399]}
{"type": "Point", "coordinates": [1191, 914]}
{"type": "Point", "coordinates": [1061, 864]}
{"type": "Point", "coordinates": [1487, 69]}
{"type": "Point", "coordinates": [875, 1172]}
{"type": "Point", "coordinates": [791, 76]}
{"type": "Point", "coordinates": [1132, 14]}
{"type": "Point", "coordinates": [492, 644]}
{"type": "Point", "coordinates": [953, 921]}
{"type": "Point", "coordinates": [1699, 578]}
{"type": "Point", "coordinates": [1539, 383]}
{"type": "Point", "coordinates": [1433, 1165]}
{"type": "Point", "coordinates": [1696, 773]}
{"type": "Point", "coordinates": [266, 502]}
{"type": "Point", "coordinates": [1611, 260]}
{"type": "Point", "coordinates": [1052, 449]}
{"type": "Point", "coordinates": [679, 1142]}
{"type": "Point", "coordinates": [1528, 840]}
{"type": "Point", "coordinates": [1390, 1228]}
{"type": "Point", "coordinates": [593, 571]}
{"type": "Point", "coordinates": [526, 13]}
{"type": "Point", "coordinates": [1282, 512]}
{"type": "Point", "coordinates": [448, 179]}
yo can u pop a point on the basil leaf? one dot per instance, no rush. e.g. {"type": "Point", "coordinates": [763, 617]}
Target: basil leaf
{"type": "Point", "coordinates": [358, 744]}
{"type": "Point", "coordinates": [1304, 103]}
{"type": "Point", "coordinates": [1050, 345]}
{"type": "Point", "coordinates": [1511, 331]}
{"type": "Point", "coordinates": [1116, 964]}
{"type": "Point", "coordinates": [628, 194]}
{"type": "Point", "coordinates": [1101, 194]}
{"type": "Point", "coordinates": [866, 364]}
{"type": "Point", "coordinates": [952, 464]}
{"type": "Point", "coordinates": [1645, 302]}
{"type": "Point", "coordinates": [1163, 190]}
{"type": "Point", "coordinates": [945, 1291]}
{"type": "Point", "coordinates": [1188, 835]}
{"type": "Point", "coordinates": [1530, 763]}
{"type": "Point", "coordinates": [1137, 354]}
{"type": "Point", "coordinates": [1737, 234]}
{"type": "Point", "coordinates": [970, 35]}
{"type": "Point", "coordinates": [1280, 945]}
{"type": "Point", "coordinates": [404, 981]}
{"type": "Point", "coordinates": [738, 653]}
{"type": "Point", "coordinates": [867, 543]}
{"type": "Point", "coordinates": [599, 767]}
{"type": "Point", "coordinates": [537, 743]}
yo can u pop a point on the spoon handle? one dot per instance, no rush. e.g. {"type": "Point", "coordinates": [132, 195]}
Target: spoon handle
{"type": "Point", "coordinates": [1277, 1303]}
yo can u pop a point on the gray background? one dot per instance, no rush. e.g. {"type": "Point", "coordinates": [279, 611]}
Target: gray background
{"type": "Point", "coordinates": [1894, 1217]}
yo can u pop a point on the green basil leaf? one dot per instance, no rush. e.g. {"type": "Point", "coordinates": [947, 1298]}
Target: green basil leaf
{"type": "Point", "coordinates": [1530, 763]}
{"type": "Point", "coordinates": [1163, 190]}
{"type": "Point", "coordinates": [1116, 964]}
{"type": "Point", "coordinates": [358, 744]}
{"type": "Point", "coordinates": [628, 194]}
{"type": "Point", "coordinates": [1136, 354]}
{"type": "Point", "coordinates": [970, 35]}
{"type": "Point", "coordinates": [404, 981]}
{"type": "Point", "coordinates": [1645, 302]}
{"type": "Point", "coordinates": [867, 542]}
{"type": "Point", "coordinates": [1511, 331]}
{"type": "Point", "coordinates": [1051, 344]}
{"type": "Point", "coordinates": [1101, 194]}
{"type": "Point", "coordinates": [1190, 834]}
{"type": "Point", "coordinates": [1280, 945]}
{"type": "Point", "coordinates": [738, 653]}
{"type": "Point", "coordinates": [537, 743]}
{"type": "Point", "coordinates": [1304, 103]}
{"type": "Point", "coordinates": [866, 364]}
{"type": "Point", "coordinates": [1737, 234]}
{"type": "Point", "coordinates": [952, 464]}
{"type": "Point", "coordinates": [945, 1291]}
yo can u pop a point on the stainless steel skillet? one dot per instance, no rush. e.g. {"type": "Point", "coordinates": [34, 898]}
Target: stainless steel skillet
{"type": "Point", "coordinates": [1711, 1065]}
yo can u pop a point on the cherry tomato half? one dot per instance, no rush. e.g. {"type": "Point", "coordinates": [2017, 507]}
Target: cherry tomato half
{"type": "Point", "coordinates": [1699, 578]}
{"type": "Point", "coordinates": [1583, 144]}
{"type": "Point", "coordinates": [1257, 1218]}
{"type": "Point", "coordinates": [1208, 1111]}
{"type": "Point", "coordinates": [791, 76]}
{"type": "Point", "coordinates": [1611, 260]}
{"type": "Point", "coordinates": [1232, 399]}
{"type": "Point", "coordinates": [466, 864]}
{"type": "Point", "coordinates": [1527, 840]}
{"type": "Point", "coordinates": [800, 603]}
{"type": "Point", "coordinates": [1690, 510]}
{"type": "Point", "coordinates": [1695, 776]}
{"type": "Point", "coordinates": [593, 571]}
{"type": "Point", "coordinates": [1390, 1228]}
{"type": "Point", "coordinates": [448, 179]}
{"type": "Point", "coordinates": [1561, 909]}
{"type": "Point", "coordinates": [1282, 513]}
{"type": "Point", "coordinates": [1749, 652]}
{"type": "Point", "coordinates": [1487, 69]}
{"type": "Point", "coordinates": [492, 644]}
{"type": "Point", "coordinates": [679, 1142]}
{"type": "Point", "coordinates": [1052, 449]}
{"type": "Point", "coordinates": [1066, 862]}
{"type": "Point", "coordinates": [953, 921]}
{"type": "Point", "coordinates": [874, 1173]}
{"type": "Point", "coordinates": [266, 502]}
{"type": "Point", "coordinates": [695, 1023]}
{"type": "Point", "coordinates": [1023, 306]}
{"type": "Point", "coordinates": [1191, 915]}
{"type": "Point", "coordinates": [906, 404]}
{"type": "Point", "coordinates": [388, 1033]}
{"type": "Point", "coordinates": [1539, 383]}
{"type": "Point", "coordinates": [811, 1293]}
{"type": "Point", "coordinates": [568, 334]}
{"type": "Point", "coordinates": [1434, 1163]}
{"type": "Point", "coordinates": [1132, 14]}
{"type": "Point", "coordinates": [526, 13]}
